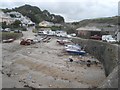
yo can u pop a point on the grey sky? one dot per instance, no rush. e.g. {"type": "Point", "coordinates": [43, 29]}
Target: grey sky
{"type": "Point", "coordinates": [71, 10]}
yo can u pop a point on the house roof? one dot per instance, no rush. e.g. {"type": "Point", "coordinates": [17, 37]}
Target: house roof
{"type": "Point", "coordinates": [88, 29]}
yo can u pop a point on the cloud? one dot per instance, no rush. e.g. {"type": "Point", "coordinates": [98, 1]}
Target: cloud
{"type": "Point", "coordinates": [72, 10]}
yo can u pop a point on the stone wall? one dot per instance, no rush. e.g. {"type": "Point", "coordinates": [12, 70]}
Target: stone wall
{"type": "Point", "coordinates": [111, 81]}
{"type": "Point", "coordinates": [106, 53]}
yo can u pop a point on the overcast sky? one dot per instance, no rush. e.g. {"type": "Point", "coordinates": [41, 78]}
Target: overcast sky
{"type": "Point", "coordinates": [71, 10]}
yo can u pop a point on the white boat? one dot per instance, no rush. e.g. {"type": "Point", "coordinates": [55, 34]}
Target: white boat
{"type": "Point", "coordinates": [76, 47]}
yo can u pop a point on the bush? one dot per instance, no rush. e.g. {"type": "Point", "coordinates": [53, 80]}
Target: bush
{"type": "Point", "coordinates": [55, 28]}
{"type": "Point", "coordinates": [24, 29]}
{"type": "Point", "coordinates": [34, 31]}
{"type": "Point", "coordinates": [16, 24]}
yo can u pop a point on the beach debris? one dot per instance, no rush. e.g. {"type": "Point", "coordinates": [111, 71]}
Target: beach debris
{"type": "Point", "coordinates": [8, 74]}
{"type": "Point", "coordinates": [33, 81]}
{"type": "Point", "coordinates": [25, 42]}
{"type": "Point", "coordinates": [88, 63]}
{"type": "Point", "coordinates": [70, 59]}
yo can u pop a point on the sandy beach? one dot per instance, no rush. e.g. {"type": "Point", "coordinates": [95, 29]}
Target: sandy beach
{"type": "Point", "coordinates": [46, 65]}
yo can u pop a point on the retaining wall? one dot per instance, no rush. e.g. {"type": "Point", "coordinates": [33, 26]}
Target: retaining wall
{"type": "Point", "coordinates": [106, 53]}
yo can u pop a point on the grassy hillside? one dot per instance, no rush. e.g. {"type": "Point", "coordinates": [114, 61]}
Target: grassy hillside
{"type": "Point", "coordinates": [97, 21]}
{"type": "Point", "coordinates": [36, 14]}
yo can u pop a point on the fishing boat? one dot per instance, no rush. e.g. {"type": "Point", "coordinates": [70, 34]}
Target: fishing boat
{"type": "Point", "coordinates": [74, 51]}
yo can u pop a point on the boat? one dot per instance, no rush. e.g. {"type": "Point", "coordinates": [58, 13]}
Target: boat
{"type": "Point", "coordinates": [70, 46]}
{"type": "Point", "coordinates": [74, 51]}
{"type": "Point", "coordinates": [63, 42]}
{"type": "Point", "coordinates": [8, 40]}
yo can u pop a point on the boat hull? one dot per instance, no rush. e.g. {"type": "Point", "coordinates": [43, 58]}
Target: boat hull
{"type": "Point", "coordinates": [76, 52]}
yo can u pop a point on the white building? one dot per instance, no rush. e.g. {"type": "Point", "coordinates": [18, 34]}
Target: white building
{"type": "Point", "coordinates": [5, 18]}
{"type": "Point", "coordinates": [46, 24]}
{"type": "Point", "coordinates": [18, 16]}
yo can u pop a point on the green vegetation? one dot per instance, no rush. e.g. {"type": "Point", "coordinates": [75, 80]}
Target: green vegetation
{"type": "Point", "coordinates": [36, 15]}
{"type": "Point", "coordinates": [54, 28]}
{"type": "Point", "coordinates": [108, 20]}
{"type": "Point", "coordinates": [4, 25]}
{"type": "Point", "coordinates": [15, 25]}
{"type": "Point", "coordinates": [8, 35]}
{"type": "Point", "coordinates": [34, 31]}
{"type": "Point", "coordinates": [118, 43]}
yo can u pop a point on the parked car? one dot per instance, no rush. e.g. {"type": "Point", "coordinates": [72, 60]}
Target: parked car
{"type": "Point", "coordinates": [1, 30]}
{"type": "Point", "coordinates": [17, 31]}
{"type": "Point", "coordinates": [73, 35]}
{"type": "Point", "coordinates": [6, 30]}
{"type": "Point", "coordinates": [108, 38]}
{"type": "Point", "coordinates": [96, 37]}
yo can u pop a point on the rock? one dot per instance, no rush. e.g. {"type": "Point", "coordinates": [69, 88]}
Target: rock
{"type": "Point", "coordinates": [101, 67]}
{"type": "Point", "coordinates": [80, 81]}
{"type": "Point", "coordinates": [54, 78]}
{"type": "Point", "coordinates": [40, 84]}
{"type": "Point", "coordinates": [71, 60]}
{"type": "Point", "coordinates": [28, 52]}
{"type": "Point", "coordinates": [88, 64]}
{"type": "Point", "coordinates": [33, 81]}
{"type": "Point", "coordinates": [19, 80]}
{"type": "Point", "coordinates": [16, 74]}
{"type": "Point", "coordinates": [72, 70]}
{"type": "Point", "coordinates": [75, 78]}
{"type": "Point", "coordinates": [26, 85]}
{"type": "Point", "coordinates": [12, 75]}
{"type": "Point", "coordinates": [50, 85]}
{"type": "Point", "coordinates": [8, 74]}
{"type": "Point", "coordinates": [2, 72]}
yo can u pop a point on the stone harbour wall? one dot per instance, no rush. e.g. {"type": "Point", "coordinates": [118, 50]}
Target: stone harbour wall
{"type": "Point", "coordinates": [106, 53]}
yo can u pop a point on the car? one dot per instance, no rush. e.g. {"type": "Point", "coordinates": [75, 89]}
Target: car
{"type": "Point", "coordinates": [1, 30]}
{"type": "Point", "coordinates": [108, 38]}
{"type": "Point", "coordinates": [17, 31]}
{"type": "Point", "coordinates": [96, 37]}
{"type": "Point", "coordinates": [6, 30]}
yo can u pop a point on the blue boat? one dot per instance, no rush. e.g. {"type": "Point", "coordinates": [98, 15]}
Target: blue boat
{"type": "Point", "coordinates": [77, 52]}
